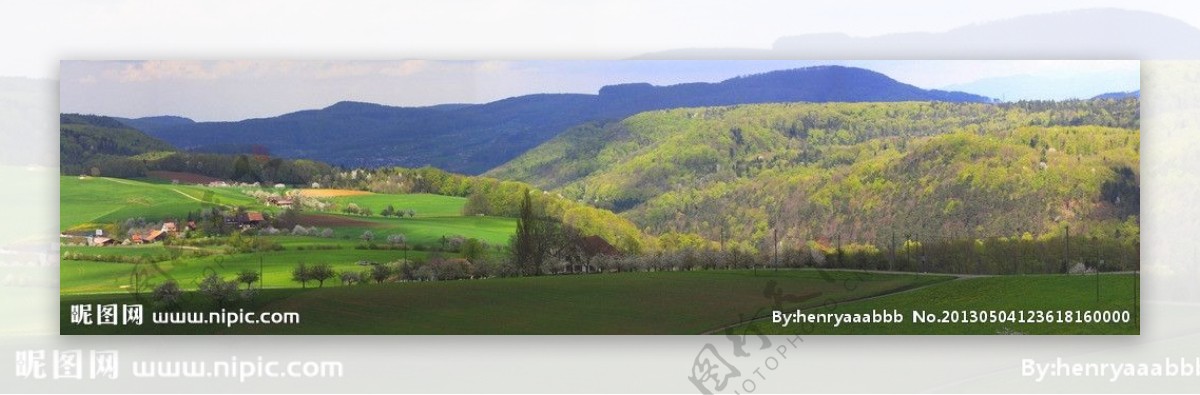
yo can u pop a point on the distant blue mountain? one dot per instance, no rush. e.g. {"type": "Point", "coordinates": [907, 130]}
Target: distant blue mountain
{"type": "Point", "coordinates": [472, 139]}
{"type": "Point", "coordinates": [1120, 95]}
{"type": "Point", "coordinates": [155, 122]}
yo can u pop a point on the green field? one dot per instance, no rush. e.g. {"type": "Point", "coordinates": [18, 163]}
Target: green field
{"type": "Point", "coordinates": [108, 277]}
{"type": "Point", "coordinates": [86, 202]}
{"type": "Point", "coordinates": [422, 204]}
{"type": "Point", "coordinates": [1045, 293]}
{"type": "Point", "coordinates": [428, 231]}
{"type": "Point", "coordinates": [617, 303]}
{"type": "Point", "coordinates": [93, 200]}
{"type": "Point", "coordinates": [133, 250]}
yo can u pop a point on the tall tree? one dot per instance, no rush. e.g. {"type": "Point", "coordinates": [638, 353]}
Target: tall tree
{"type": "Point", "coordinates": [526, 243]}
{"type": "Point", "coordinates": [242, 170]}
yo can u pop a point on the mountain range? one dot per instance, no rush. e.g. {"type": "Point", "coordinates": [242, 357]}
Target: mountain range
{"type": "Point", "coordinates": [474, 138]}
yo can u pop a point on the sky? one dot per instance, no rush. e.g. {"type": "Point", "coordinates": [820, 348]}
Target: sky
{"type": "Point", "coordinates": [226, 90]}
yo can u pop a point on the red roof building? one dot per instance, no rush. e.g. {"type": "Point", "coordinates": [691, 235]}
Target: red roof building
{"type": "Point", "coordinates": [596, 245]}
{"type": "Point", "coordinates": [154, 235]}
{"type": "Point", "coordinates": [250, 218]}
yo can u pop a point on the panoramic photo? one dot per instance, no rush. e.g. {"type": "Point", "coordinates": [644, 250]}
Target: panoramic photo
{"type": "Point", "coordinates": [600, 197]}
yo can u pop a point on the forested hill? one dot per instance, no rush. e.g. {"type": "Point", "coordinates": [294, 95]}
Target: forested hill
{"type": "Point", "coordinates": [471, 139]}
{"type": "Point", "coordinates": [104, 146]}
{"type": "Point", "coordinates": [854, 171]}
{"type": "Point", "coordinates": [88, 141]}
{"type": "Point", "coordinates": [154, 123]}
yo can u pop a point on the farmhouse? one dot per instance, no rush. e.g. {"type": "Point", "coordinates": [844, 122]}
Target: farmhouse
{"type": "Point", "coordinates": [250, 218]}
{"type": "Point", "coordinates": [154, 235]}
{"type": "Point", "coordinates": [591, 246]}
{"type": "Point", "coordinates": [170, 228]}
{"type": "Point", "coordinates": [596, 245]}
{"type": "Point", "coordinates": [102, 241]}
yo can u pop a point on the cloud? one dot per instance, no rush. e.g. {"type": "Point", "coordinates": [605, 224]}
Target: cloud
{"type": "Point", "coordinates": [405, 68]}
{"type": "Point", "coordinates": [155, 70]}
{"type": "Point", "coordinates": [493, 66]}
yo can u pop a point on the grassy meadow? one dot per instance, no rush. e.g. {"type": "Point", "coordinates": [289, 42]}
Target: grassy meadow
{"type": "Point", "coordinates": [87, 201]}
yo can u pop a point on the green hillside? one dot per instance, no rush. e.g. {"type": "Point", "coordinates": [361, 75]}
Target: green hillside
{"type": "Point", "coordinates": [91, 201]}
{"type": "Point", "coordinates": [421, 204]}
{"type": "Point", "coordinates": [854, 171]}
{"type": "Point", "coordinates": [89, 142]}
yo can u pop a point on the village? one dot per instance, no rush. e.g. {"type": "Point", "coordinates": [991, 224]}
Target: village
{"type": "Point", "coordinates": [159, 233]}
{"type": "Point", "coordinates": [137, 231]}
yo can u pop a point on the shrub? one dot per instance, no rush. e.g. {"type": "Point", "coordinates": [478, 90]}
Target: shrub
{"type": "Point", "coordinates": [217, 289]}
{"type": "Point", "coordinates": [380, 272]}
{"type": "Point", "coordinates": [167, 295]}
{"type": "Point", "coordinates": [320, 273]}
{"type": "Point", "coordinates": [350, 278]}
{"type": "Point", "coordinates": [301, 274]}
{"type": "Point", "coordinates": [248, 277]}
